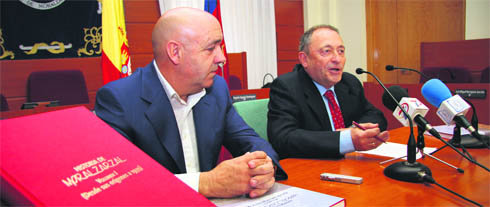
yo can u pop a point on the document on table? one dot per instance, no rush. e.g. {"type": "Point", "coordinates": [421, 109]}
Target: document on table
{"type": "Point", "coordinates": [447, 131]}
{"type": "Point", "coordinates": [390, 149]}
{"type": "Point", "coordinates": [283, 195]}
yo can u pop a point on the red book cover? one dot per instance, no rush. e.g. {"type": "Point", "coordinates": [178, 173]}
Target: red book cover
{"type": "Point", "coordinates": [72, 158]}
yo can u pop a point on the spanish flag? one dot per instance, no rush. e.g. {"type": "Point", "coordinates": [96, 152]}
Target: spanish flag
{"type": "Point", "coordinates": [116, 63]}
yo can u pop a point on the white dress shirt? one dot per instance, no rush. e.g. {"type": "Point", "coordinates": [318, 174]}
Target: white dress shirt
{"type": "Point", "coordinates": [185, 123]}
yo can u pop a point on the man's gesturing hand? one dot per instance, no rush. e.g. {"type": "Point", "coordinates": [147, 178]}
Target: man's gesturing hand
{"type": "Point", "coordinates": [365, 139]}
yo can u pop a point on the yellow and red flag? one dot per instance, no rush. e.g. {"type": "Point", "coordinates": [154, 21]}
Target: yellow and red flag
{"type": "Point", "coordinates": [116, 62]}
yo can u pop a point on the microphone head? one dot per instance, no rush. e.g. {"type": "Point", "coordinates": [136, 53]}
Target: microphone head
{"type": "Point", "coordinates": [435, 92]}
{"type": "Point", "coordinates": [397, 92]}
{"type": "Point", "coordinates": [389, 67]}
{"type": "Point", "coordinates": [360, 71]}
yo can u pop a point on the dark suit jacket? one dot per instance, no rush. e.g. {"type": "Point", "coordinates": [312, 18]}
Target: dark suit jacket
{"type": "Point", "coordinates": [298, 123]}
{"type": "Point", "coordinates": [139, 109]}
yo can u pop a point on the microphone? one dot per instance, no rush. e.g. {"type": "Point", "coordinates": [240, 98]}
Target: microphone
{"type": "Point", "coordinates": [416, 109]}
{"type": "Point", "coordinates": [409, 170]}
{"type": "Point", "coordinates": [458, 140]}
{"type": "Point", "coordinates": [451, 109]}
{"type": "Point", "coordinates": [391, 67]}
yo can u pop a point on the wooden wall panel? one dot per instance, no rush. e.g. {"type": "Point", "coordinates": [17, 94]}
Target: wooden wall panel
{"type": "Point", "coordinates": [286, 66]}
{"type": "Point", "coordinates": [146, 11]}
{"type": "Point", "coordinates": [139, 38]}
{"type": "Point", "coordinates": [140, 18]}
{"type": "Point", "coordinates": [425, 21]}
{"type": "Point", "coordinates": [237, 65]}
{"type": "Point", "coordinates": [288, 37]}
{"type": "Point", "coordinates": [381, 39]}
{"type": "Point", "coordinates": [289, 28]}
{"type": "Point", "coordinates": [396, 28]}
{"type": "Point", "coordinates": [140, 60]}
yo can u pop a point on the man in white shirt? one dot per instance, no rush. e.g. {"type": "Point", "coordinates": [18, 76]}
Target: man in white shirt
{"type": "Point", "coordinates": [179, 111]}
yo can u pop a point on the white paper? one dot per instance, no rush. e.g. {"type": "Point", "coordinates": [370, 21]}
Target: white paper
{"type": "Point", "coordinates": [390, 149]}
{"type": "Point", "coordinates": [283, 195]}
{"type": "Point", "coordinates": [449, 129]}
{"type": "Point", "coordinates": [446, 131]}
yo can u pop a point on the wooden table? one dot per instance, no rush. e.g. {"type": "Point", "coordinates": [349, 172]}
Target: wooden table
{"type": "Point", "coordinates": [379, 190]}
{"type": "Point", "coordinates": [39, 109]}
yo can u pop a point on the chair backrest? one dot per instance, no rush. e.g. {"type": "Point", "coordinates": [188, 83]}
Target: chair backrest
{"type": "Point", "coordinates": [485, 75]}
{"type": "Point", "coordinates": [66, 86]}
{"type": "Point", "coordinates": [447, 74]}
{"type": "Point", "coordinates": [4, 106]}
{"type": "Point", "coordinates": [254, 113]}
{"type": "Point", "coordinates": [235, 83]}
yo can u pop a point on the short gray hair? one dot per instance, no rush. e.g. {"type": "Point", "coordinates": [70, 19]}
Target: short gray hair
{"type": "Point", "coordinates": [305, 40]}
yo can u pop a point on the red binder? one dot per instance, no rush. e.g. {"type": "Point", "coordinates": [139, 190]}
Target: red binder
{"type": "Point", "coordinates": [72, 158]}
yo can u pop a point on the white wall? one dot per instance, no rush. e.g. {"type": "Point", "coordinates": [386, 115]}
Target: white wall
{"type": "Point", "coordinates": [477, 19]}
{"type": "Point", "coordinates": [349, 16]}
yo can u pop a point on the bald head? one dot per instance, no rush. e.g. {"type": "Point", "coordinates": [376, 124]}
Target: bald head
{"type": "Point", "coordinates": [180, 24]}
{"type": "Point", "coordinates": [186, 47]}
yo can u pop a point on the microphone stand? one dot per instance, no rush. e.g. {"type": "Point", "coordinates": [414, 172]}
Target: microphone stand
{"type": "Point", "coordinates": [468, 140]}
{"type": "Point", "coordinates": [409, 170]}
{"type": "Point", "coordinates": [456, 142]}
{"type": "Point", "coordinates": [466, 154]}
{"type": "Point", "coordinates": [420, 148]}
{"type": "Point", "coordinates": [421, 145]}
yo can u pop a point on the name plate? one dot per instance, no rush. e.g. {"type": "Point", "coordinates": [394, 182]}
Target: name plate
{"type": "Point", "coordinates": [472, 93]}
{"type": "Point", "coordinates": [244, 97]}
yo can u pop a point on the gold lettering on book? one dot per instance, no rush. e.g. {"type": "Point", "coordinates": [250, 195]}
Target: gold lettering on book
{"type": "Point", "coordinates": [114, 178]}
{"type": "Point", "coordinates": [94, 191]}
{"type": "Point", "coordinates": [90, 169]}
{"type": "Point", "coordinates": [106, 178]}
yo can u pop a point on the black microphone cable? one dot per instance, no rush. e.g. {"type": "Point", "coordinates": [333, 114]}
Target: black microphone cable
{"type": "Point", "coordinates": [267, 85]}
{"type": "Point", "coordinates": [459, 152]}
{"type": "Point", "coordinates": [429, 179]}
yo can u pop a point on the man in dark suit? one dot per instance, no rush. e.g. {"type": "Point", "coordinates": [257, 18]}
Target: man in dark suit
{"type": "Point", "coordinates": [180, 113]}
{"type": "Point", "coordinates": [303, 122]}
